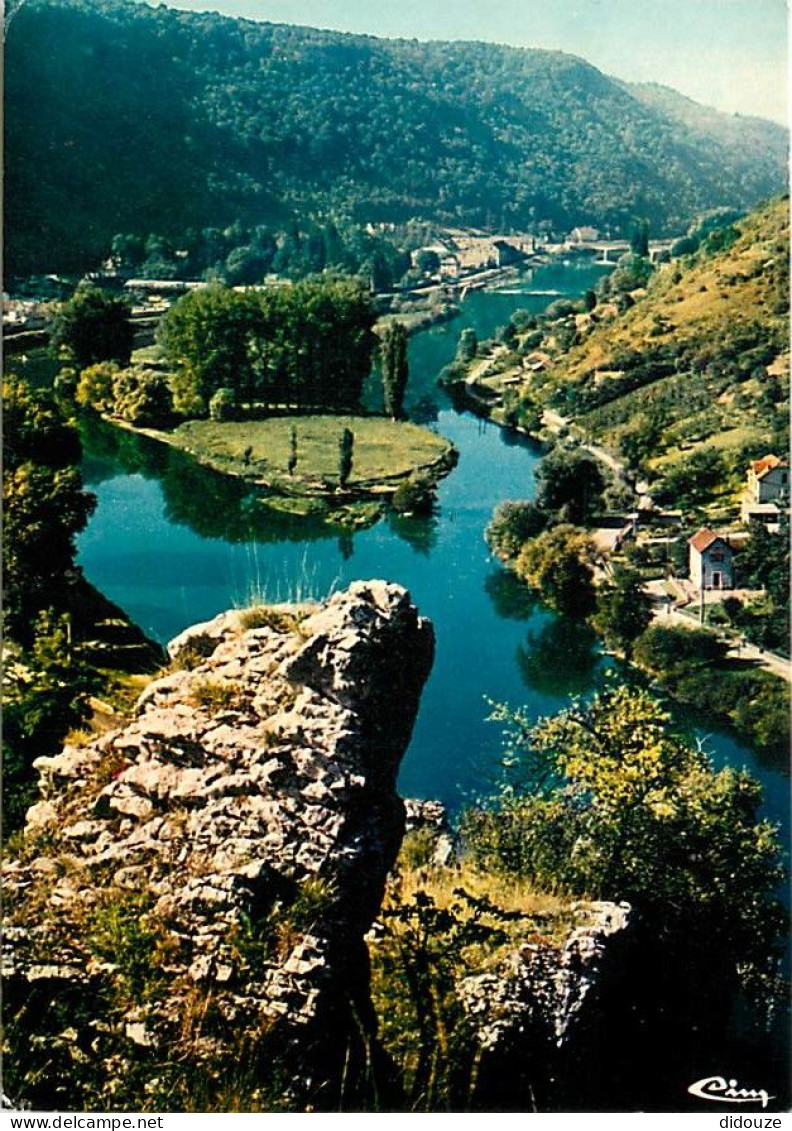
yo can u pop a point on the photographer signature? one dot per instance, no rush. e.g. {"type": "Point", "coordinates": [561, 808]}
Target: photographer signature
{"type": "Point", "coordinates": [727, 1091]}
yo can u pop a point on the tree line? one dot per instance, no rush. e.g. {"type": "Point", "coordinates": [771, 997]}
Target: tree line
{"type": "Point", "coordinates": [235, 120]}
{"type": "Point", "coordinates": [228, 353]}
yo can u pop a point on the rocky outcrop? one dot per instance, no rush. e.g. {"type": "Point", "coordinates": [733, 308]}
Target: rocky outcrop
{"type": "Point", "coordinates": [430, 819]}
{"type": "Point", "coordinates": [546, 989]}
{"type": "Point", "coordinates": [543, 1018]}
{"type": "Point", "coordinates": [208, 871]}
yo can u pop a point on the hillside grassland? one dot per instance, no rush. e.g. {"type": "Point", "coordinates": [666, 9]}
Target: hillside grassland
{"type": "Point", "coordinates": [733, 289]}
{"type": "Point", "coordinates": [384, 450]}
{"type": "Point", "coordinates": [696, 368]}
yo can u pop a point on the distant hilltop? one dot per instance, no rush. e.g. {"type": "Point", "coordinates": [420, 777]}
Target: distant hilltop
{"type": "Point", "coordinates": [126, 118]}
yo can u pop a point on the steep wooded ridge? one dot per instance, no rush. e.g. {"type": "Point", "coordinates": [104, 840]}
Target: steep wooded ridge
{"type": "Point", "coordinates": [122, 118]}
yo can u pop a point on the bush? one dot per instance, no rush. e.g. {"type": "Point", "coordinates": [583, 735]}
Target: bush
{"type": "Point", "coordinates": [222, 405]}
{"type": "Point", "coordinates": [143, 397]}
{"type": "Point", "coordinates": [93, 326]}
{"type": "Point", "coordinates": [558, 564]}
{"type": "Point", "coordinates": [263, 616]}
{"type": "Point", "coordinates": [414, 496]}
{"type": "Point", "coordinates": [623, 610]}
{"type": "Point", "coordinates": [571, 480]}
{"type": "Point", "coordinates": [607, 800]}
{"type": "Point", "coordinates": [512, 524]}
{"type": "Point", "coordinates": [666, 649]}
{"type": "Point", "coordinates": [95, 386]}
{"type": "Point", "coordinates": [215, 694]}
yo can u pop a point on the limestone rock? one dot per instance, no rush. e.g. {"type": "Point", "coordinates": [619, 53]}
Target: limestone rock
{"type": "Point", "coordinates": [250, 808]}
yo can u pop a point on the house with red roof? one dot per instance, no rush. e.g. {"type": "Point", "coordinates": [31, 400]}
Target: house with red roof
{"type": "Point", "coordinates": [768, 479]}
{"type": "Point", "coordinates": [711, 560]}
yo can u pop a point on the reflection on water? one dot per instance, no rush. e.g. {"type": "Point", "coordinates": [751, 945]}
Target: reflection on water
{"type": "Point", "coordinates": [511, 598]}
{"type": "Point", "coordinates": [561, 658]}
{"type": "Point", "coordinates": [174, 544]}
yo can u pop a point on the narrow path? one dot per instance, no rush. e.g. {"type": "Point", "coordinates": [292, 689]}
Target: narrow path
{"type": "Point", "coordinates": [737, 651]}
{"type": "Point", "coordinates": [556, 422]}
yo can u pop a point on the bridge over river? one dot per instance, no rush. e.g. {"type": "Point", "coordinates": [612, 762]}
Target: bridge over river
{"type": "Point", "coordinates": [608, 251]}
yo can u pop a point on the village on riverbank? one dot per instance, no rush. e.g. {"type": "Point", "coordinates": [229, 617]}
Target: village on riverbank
{"type": "Point", "coordinates": [696, 491]}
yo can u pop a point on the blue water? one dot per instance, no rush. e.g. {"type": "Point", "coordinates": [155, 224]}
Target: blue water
{"type": "Point", "coordinates": [173, 545]}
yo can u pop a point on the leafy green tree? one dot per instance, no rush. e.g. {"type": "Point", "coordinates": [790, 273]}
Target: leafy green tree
{"type": "Point", "coordinates": [292, 465]}
{"type": "Point", "coordinates": [639, 240]}
{"type": "Point", "coordinates": [44, 506]}
{"type": "Point", "coordinates": [512, 524]}
{"type": "Point", "coordinates": [569, 480]}
{"type": "Point", "coordinates": [246, 265]}
{"type": "Point", "coordinates": [208, 337]}
{"type": "Point", "coordinates": [427, 262]}
{"type": "Point", "coordinates": [558, 564]}
{"type": "Point", "coordinates": [127, 250]}
{"type": "Point", "coordinates": [623, 611]}
{"type": "Point", "coordinates": [414, 496]}
{"type": "Point", "coordinates": [631, 273]}
{"type": "Point", "coordinates": [44, 509]}
{"type": "Point", "coordinates": [34, 429]}
{"type": "Point", "coordinates": [46, 693]}
{"type": "Point", "coordinates": [380, 272]}
{"type": "Point", "coordinates": [308, 344]}
{"type": "Point", "coordinates": [690, 482]}
{"type": "Point", "coordinates": [222, 406]}
{"type": "Point", "coordinates": [607, 799]}
{"type": "Point", "coordinates": [467, 345]}
{"type": "Point", "coordinates": [763, 562]}
{"type": "Point", "coordinates": [93, 326]}
{"type": "Point", "coordinates": [346, 446]}
{"type": "Point", "coordinates": [95, 386]}
{"type": "Point", "coordinates": [143, 397]}
{"type": "Point", "coordinates": [669, 648]}
{"type": "Point", "coordinates": [733, 608]}
{"type": "Point", "coordinates": [643, 438]}
{"type": "Point", "coordinates": [395, 369]}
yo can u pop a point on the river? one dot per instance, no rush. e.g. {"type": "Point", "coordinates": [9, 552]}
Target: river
{"type": "Point", "coordinates": [174, 544]}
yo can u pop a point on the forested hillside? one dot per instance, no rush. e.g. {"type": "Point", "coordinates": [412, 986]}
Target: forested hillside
{"type": "Point", "coordinates": [125, 118]}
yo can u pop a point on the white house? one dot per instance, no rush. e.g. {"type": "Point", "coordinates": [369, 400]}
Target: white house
{"type": "Point", "coordinates": [768, 479]}
{"type": "Point", "coordinates": [583, 234]}
{"type": "Point", "coordinates": [711, 560]}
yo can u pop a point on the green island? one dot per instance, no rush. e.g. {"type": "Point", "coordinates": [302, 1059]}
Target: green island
{"type": "Point", "coordinates": [387, 454]}
{"type": "Point", "coordinates": [273, 371]}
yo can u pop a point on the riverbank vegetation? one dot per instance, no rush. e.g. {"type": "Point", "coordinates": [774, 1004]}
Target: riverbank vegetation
{"type": "Point", "coordinates": [693, 666]}
{"type": "Point", "coordinates": [681, 372]}
{"type": "Point", "coordinates": [594, 804]}
{"type": "Point", "coordinates": [305, 345]}
{"type": "Point", "coordinates": [562, 564]}
{"type": "Point", "coordinates": [256, 364]}
{"type": "Point", "coordinates": [64, 642]}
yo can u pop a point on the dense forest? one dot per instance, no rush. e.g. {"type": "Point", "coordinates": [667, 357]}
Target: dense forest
{"type": "Point", "coordinates": [125, 118]}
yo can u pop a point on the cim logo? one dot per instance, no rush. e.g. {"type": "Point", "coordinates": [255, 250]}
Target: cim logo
{"type": "Point", "coordinates": [722, 1091]}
